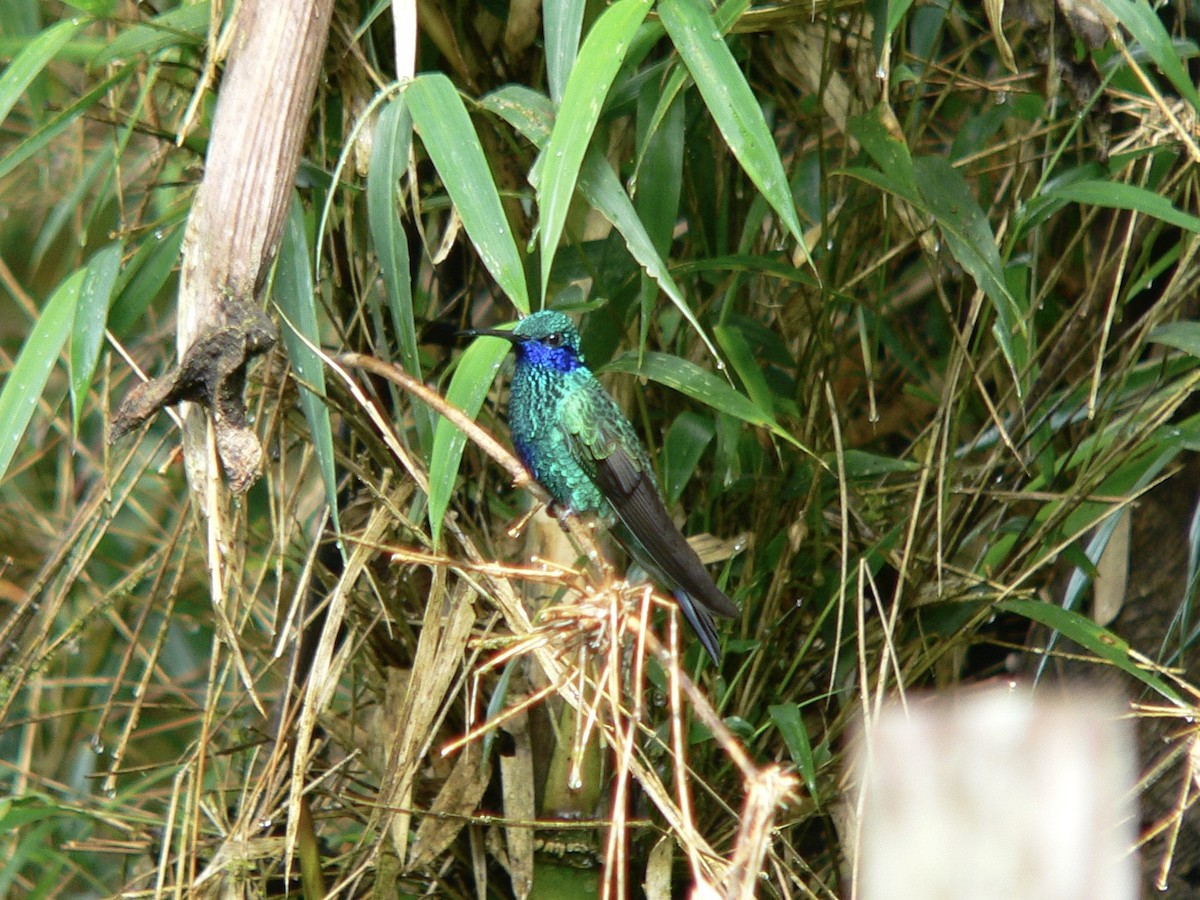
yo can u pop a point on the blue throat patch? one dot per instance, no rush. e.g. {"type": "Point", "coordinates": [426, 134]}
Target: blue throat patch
{"type": "Point", "coordinates": [559, 359]}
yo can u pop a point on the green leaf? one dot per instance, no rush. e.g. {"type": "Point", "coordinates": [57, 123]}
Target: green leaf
{"type": "Point", "coordinates": [66, 211]}
{"type": "Point", "coordinates": [187, 25]}
{"type": "Point", "coordinates": [389, 160]}
{"type": "Point", "coordinates": [1183, 336]}
{"type": "Point", "coordinates": [682, 448]}
{"type": "Point", "coordinates": [99, 8]}
{"type": "Point", "coordinates": [937, 189]}
{"type": "Point", "coordinates": [701, 385]}
{"type": "Point", "coordinates": [144, 276]}
{"type": "Point", "coordinates": [1100, 641]}
{"type": "Point", "coordinates": [292, 291]}
{"type": "Point", "coordinates": [599, 185]}
{"type": "Point", "coordinates": [1148, 30]}
{"type": "Point", "coordinates": [731, 103]}
{"type": "Point", "coordinates": [530, 113]}
{"type": "Point", "coordinates": [27, 64]}
{"type": "Point", "coordinates": [477, 368]}
{"type": "Point", "coordinates": [597, 65]}
{"type": "Point", "coordinates": [747, 366]}
{"type": "Point", "coordinates": [452, 144]}
{"type": "Point", "coordinates": [35, 143]}
{"type": "Point", "coordinates": [971, 241]}
{"type": "Point", "coordinates": [562, 24]}
{"type": "Point", "coordinates": [879, 134]}
{"type": "Point", "coordinates": [31, 371]}
{"type": "Point", "coordinates": [788, 720]}
{"type": "Point", "coordinates": [91, 317]}
{"type": "Point", "coordinates": [861, 464]}
{"type": "Point", "coordinates": [1113, 195]}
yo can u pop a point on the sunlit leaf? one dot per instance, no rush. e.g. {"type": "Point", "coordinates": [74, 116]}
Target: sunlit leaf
{"type": "Point", "coordinates": [562, 25]}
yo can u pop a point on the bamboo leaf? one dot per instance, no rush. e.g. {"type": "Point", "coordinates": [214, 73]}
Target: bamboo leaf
{"type": "Point", "coordinates": [1183, 336]}
{"type": "Point", "coordinates": [389, 160]}
{"type": "Point", "coordinates": [472, 379]}
{"type": "Point", "coordinates": [187, 25]}
{"type": "Point", "coordinates": [1115, 195]}
{"type": "Point", "coordinates": [1148, 30]}
{"type": "Point", "coordinates": [31, 371]}
{"type": "Point", "coordinates": [562, 25]}
{"type": "Point", "coordinates": [27, 64]}
{"type": "Point", "coordinates": [452, 144]}
{"type": "Point", "coordinates": [731, 103]}
{"type": "Point", "coordinates": [1100, 641]}
{"type": "Point", "coordinates": [292, 291]}
{"type": "Point", "coordinates": [91, 318]}
{"type": "Point", "coordinates": [591, 78]}
{"type": "Point", "coordinates": [701, 385]}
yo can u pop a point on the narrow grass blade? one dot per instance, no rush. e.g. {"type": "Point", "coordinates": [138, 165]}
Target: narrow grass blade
{"type": "Point", "coordinates": [293, 293]}
{"type": "Point", "coordinates": [591, 78]}
{"type": "Point", "coordinates": [91, 317]}
{"type": "Point", "coordinates": [31, 371]}
{"type": "Point", "coordinates": [451, 142]}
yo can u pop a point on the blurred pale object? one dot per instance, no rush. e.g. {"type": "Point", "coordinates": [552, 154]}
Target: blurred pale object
{"type": "Point", "coordinates": [998, 794]}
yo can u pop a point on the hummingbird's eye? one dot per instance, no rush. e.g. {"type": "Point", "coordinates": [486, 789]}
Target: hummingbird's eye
{"type": "Point", "coordinates": [554, 339]}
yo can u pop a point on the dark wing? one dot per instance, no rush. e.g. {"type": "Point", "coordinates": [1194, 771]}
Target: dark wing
{"type": "Point", "coordinates": [608, 447]}
{"type": "Point", "coordinates": [658, 544]}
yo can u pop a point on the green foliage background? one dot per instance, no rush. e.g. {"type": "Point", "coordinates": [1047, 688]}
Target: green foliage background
{"type": "Point", "coordinates": [901, 298]}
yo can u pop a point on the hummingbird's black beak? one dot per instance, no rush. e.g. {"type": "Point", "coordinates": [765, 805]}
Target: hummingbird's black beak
{"type": "Point", "coordinates": [492, 332]}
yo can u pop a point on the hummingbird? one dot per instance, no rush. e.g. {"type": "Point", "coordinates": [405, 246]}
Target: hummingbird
{"type": "Point", "coordinates": [578, 445]}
